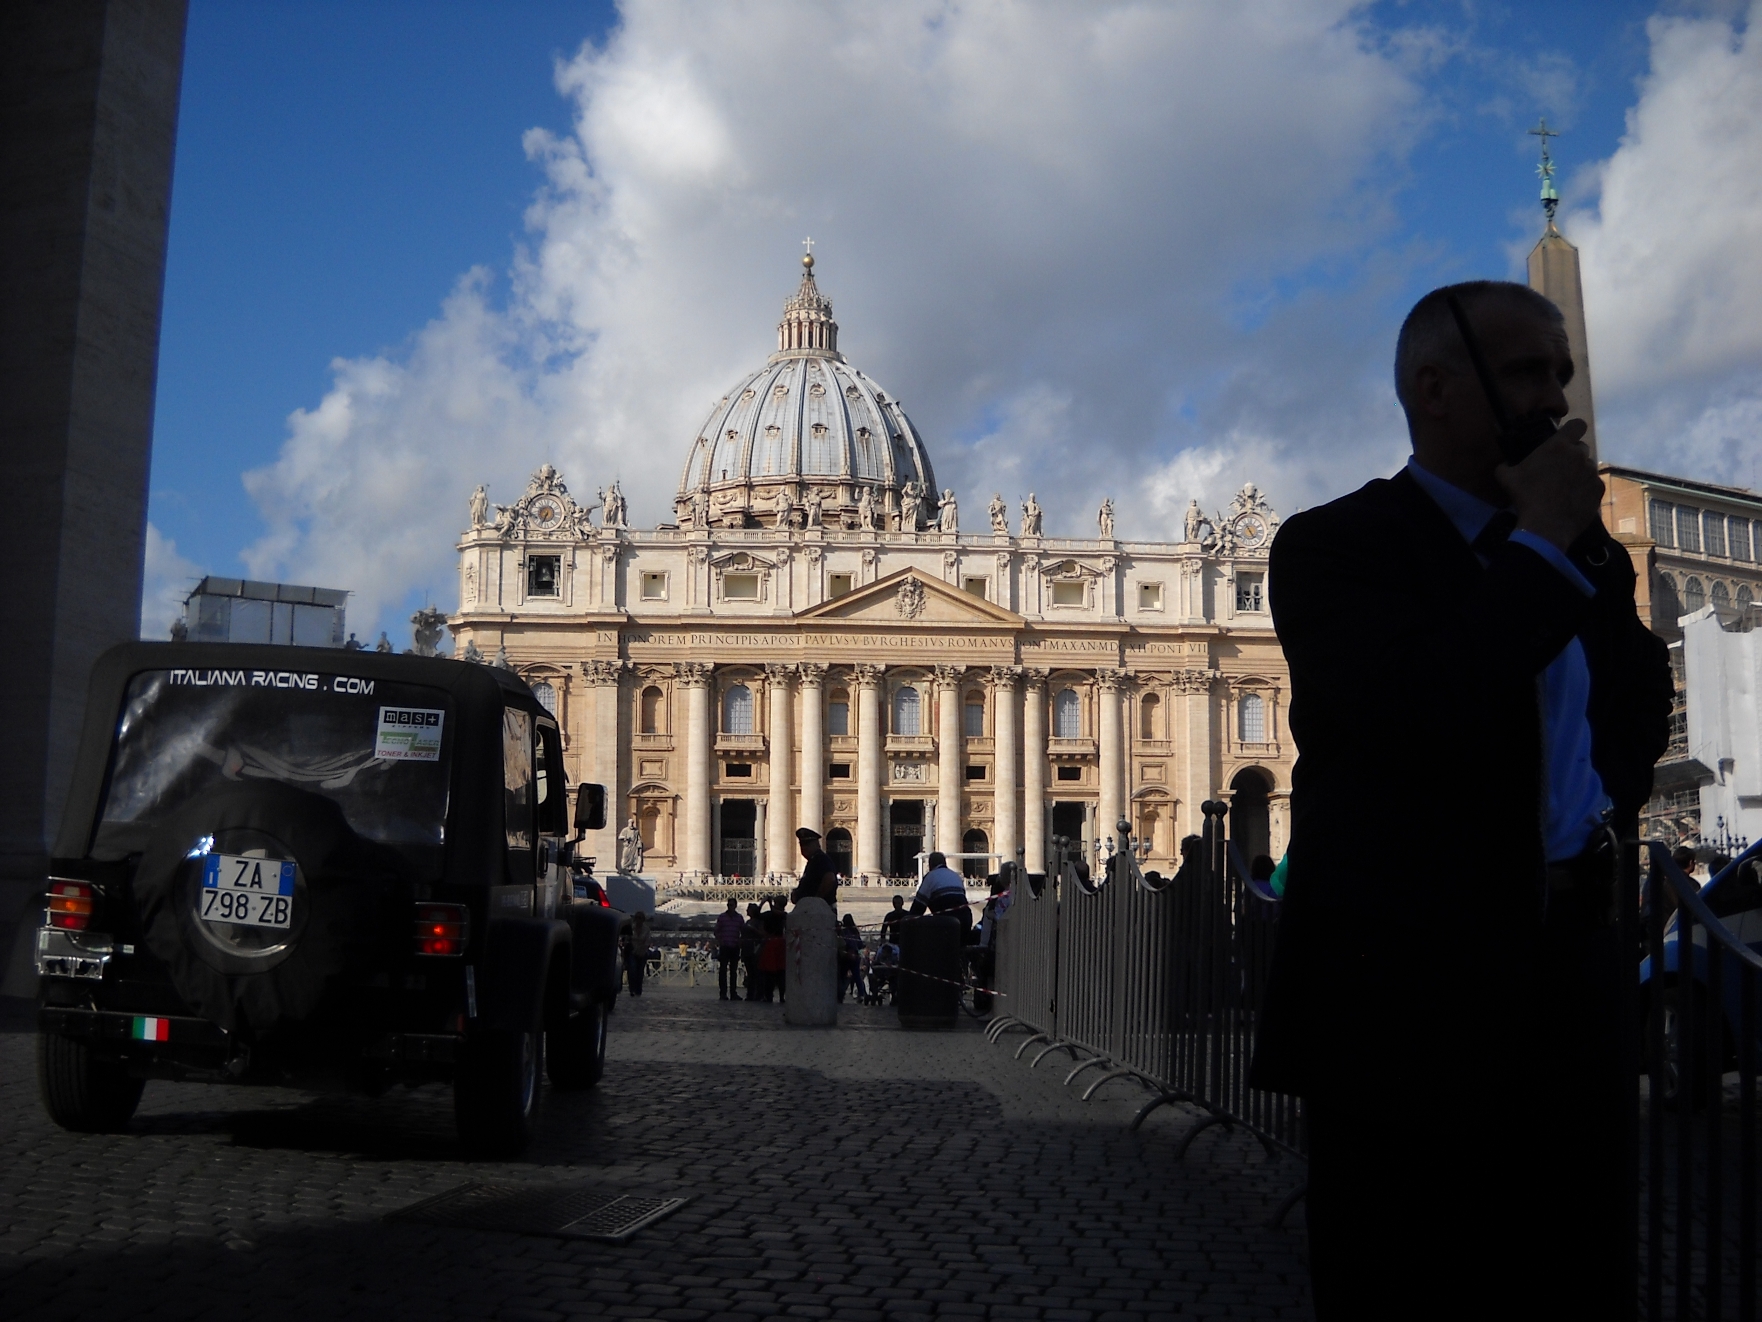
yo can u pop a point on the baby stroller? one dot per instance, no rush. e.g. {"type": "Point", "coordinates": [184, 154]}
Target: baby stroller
{"type": "Point", "coordinates": [883, 976]}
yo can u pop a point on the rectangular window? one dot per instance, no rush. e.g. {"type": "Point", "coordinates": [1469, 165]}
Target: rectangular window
{"type": "Point", "coordinates": [839, 771]}
{"type": "Point", "coordinates": [1150, 596]}
{"type": "Point", "coordinates": [517, 795]}
{"type": "Point", "coordinates": [1067, 593]}
{"type": "Point", "coordinates": [838, 718]}
{"type": "Point", "coordinates": [975, 586]}
{"type": "Point", "coordinates": [1663, 515]}
{"type": "Point", "coordinates": [654, 587]}
{"type": "Point", "coordinates": [543, 574]}
{"type": "Point", "coordinates": [740, 587]}
{"type": "Point", "coordinates": [838, 584]}
{"type": "Point", "coordinates": [1688, 528]}
{"type": "Point", "coordinates": [1742, 547]}
{"type": "Point", "coordinates": [975, 771]}
{"type": "Point", "coordinates": [1713, 529]}
{"type": "Point", "coordinates": [1248, 592]}
{"type": "Point", "coordinates": [1070, 773]}
{"type": "Point", "coordinates": [738, 770]}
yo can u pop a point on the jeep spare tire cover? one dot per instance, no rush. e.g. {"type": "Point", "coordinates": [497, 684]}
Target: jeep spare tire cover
{"type": "Point", "coordinates": [343, 900]}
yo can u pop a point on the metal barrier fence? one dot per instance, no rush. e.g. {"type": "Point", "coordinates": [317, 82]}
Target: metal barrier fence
{"type": "Point", "coordinates": [1159, 978]}
{"type": "Point", "coordinates": [1698, 1125]}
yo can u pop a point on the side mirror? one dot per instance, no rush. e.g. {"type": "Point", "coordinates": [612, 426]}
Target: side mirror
{"type": "Point", "coordinates": [590, 807]}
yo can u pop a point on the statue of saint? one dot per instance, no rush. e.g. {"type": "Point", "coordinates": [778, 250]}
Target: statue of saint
{"type": "Point", "coordinates": [427, 626]}
{"type": "Point", "coordinates": [1031, 516]}
{"type": "Point", "coordinates": [948, 518]}
{"type": "Point", "coordinates": [1105, 518]}
{"type": "Point", "coordinates": [812, 508]}
{"type": "Point", "coordinates": [472, 654]}
{"type": "Point", "coordinates": [630, 848]}
{"type": "Point", "coordinates": [480, 507]}
{"type": "Point", "coordinates": [999, 514]}
{"type": "Point", "coordinates": [910, 503]}
{"type": "Point", "coordinates": [384, 644]}
{"type": "Point", "coordinates": [613, 514]}
{"type": "Point", "coordinates": [785, 508]}
{"type": "Point", "coordinates": [1190, 533]}
{"type": "Point", "coordinates": [866, 510]}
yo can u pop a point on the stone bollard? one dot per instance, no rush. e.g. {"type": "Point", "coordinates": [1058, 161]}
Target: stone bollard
{"type": "Point", "coordinates": [811, 939]}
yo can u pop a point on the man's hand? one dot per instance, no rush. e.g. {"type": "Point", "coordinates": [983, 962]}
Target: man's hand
{"type": "Point", "coordinates": [1555, 491]}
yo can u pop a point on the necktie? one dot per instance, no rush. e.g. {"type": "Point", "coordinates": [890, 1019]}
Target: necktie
{"type": "Point", "coordinates": [1495, 534]}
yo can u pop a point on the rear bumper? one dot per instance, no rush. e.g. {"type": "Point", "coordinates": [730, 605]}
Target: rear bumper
{"type": "Point", "coordinates": [139, 1030]}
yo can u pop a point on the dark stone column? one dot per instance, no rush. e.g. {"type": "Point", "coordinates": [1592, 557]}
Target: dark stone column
{"type": "Point", "coordinates": [88, 121]}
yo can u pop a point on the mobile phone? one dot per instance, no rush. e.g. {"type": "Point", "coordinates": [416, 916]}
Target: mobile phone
{"type": "Point", "coordinates": [1518, 437]}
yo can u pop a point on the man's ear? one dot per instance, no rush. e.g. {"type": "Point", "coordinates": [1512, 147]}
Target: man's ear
{"type": "Point", "coordinates": [1430, 392]}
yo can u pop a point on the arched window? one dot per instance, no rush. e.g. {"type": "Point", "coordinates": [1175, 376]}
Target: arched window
{"type": "Point", "coordinates": [1252, 719]}
{"type": "Point", "coordinates": [838, 712]}
{"type": "Point", "coordinates": [651, 710]}
{"type": "Point", "coordinates": [1720, 597]}
{"type": "Point", "coordinates": [1149, 708]}
{"type": "Point", "coordinates": [838, 847]}
{"type": "Point", "coordinates": [975, 842]}
{"type": "Point", "coordinates": [1745, 599]}
{"type": "Point", "coordinates": [973, 718]}
{"type": "Point", "coordinates": [546, 694]}
{"type": "Point", "coordinates": [1694, 596]}
{"type": "Point", "coordinates": [737, 710]}
{"type": "Point", "coordinates": [1667, 605]}
{"type": "Point", "coordinates": [1067, 715]}
{"type": "Point", "coordinates": [906, 711]}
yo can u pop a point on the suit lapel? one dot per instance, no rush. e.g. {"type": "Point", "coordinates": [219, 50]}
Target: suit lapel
{"type": "Point", "coordinates": [1428, 527]}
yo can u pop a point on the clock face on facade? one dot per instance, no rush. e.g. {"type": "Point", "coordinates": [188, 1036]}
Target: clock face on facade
{"type": "Point", "coordinates": [1250, 530]}
{"type": "Point", "coordinates": [547, 514]}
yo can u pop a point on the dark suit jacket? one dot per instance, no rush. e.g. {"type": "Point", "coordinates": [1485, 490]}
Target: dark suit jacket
{"type": "Point", "coordinates": [1416, 888]}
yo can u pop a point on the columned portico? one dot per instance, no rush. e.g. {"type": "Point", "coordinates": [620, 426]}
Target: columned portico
{"type": "Point", "coordinates": [780, 833]}
{"type": "Point", "coordinates": [813, 746]}
{"type": "Point", "coordinates": [694, 678]}
{"type": "Point", "coordinates": [949, 760]}
{"type": "Point", "coordinates": [1034, 770]}
{"type": "Point", "coordinates": [1004, 806]}
{"type": "Point", "coordinates": [1108, 685]}
{"type": "Point", "coordinates": [1194, 770]}
{"type": "Point", "coordinates": [870, 760]}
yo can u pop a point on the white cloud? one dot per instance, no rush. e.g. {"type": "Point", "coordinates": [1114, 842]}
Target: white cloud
{"type": "Point", "coordinates": [1672, 261]}
{"type": "Point", "coordinates": [167, 578]}
{"type": "Point", "coordinates": [1046, 227]}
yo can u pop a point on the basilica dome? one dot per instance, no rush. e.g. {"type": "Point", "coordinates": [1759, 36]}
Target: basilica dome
{"type": "Point", "coordinates": [805, 431]}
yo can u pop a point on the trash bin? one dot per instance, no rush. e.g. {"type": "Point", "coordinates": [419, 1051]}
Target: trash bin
{"type": "Point", "coordinates": [929, 988]}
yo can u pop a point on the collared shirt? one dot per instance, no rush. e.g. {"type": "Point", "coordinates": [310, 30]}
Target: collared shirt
{"type": "Point", "coordinates": [1576, 798]}
{"type": "Point", "coordinates": [940, 879]}
{"type": "Point", "coordinates": [728, 929]}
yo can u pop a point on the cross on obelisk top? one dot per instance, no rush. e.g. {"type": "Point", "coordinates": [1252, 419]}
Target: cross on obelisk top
{"type": "Point", "coordinates": [1550, 198]}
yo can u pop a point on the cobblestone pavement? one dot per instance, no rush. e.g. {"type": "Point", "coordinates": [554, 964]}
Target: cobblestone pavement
{"type": "Point", "coordinates": [857, 1172]}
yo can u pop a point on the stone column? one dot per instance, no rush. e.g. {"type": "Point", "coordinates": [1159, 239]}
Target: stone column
{"type": "Point", "coordinates": [871, 758]}
{"type": "Point", "coordinates": [1193, 755]}
{"type": "Point", "coordinates": [1113, 749]}
{"type": "Point", "coordinates": [694, 678]}
{"type": "Point", "coordinates": [1034, 771]}
{"type": "Point", "coordinates": [950, 745]}
{"type": "Point", "coordinates": [1006, 832]}
{"type": "Point", "coordinates": [762, 852]}
{"type": "Point", "coordinates": [811, 709]}
{"type": "Point", "coordinates": [780, 842]}
{"type": "Point", "coordinates": [608, 743]}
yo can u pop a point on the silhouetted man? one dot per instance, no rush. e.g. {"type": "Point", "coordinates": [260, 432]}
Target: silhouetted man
{"type": "Point", "coordinates": [819, 876]}
{"type": "Point", "coordinates": [1473, 697]}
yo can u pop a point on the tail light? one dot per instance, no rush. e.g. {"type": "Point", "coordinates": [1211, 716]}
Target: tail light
{"type": "Point", "coordinates": [441, 929]}
{"type": "Point", "coordinates": [71, 905]}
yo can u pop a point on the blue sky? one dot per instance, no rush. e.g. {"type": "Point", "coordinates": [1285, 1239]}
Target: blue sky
{"type": "Point", "coordinates": [342, 169]}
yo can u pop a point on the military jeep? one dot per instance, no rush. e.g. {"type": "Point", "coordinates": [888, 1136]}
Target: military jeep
{"type": "Point", "coordinates": [324, 869]}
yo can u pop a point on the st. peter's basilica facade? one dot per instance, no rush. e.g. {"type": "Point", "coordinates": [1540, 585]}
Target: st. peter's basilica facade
{"type": "Point", "coordinates": [813, 640]}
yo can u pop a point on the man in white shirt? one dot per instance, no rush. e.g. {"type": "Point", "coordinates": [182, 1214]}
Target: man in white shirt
{"type": "Point", "coordinates": [942, 891]}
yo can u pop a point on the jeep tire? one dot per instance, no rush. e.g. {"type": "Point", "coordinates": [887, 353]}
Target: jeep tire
{"type": "Point", "coordinates": [495, 1093]}
{"type": "Point", "coordinates": [576, 1054]}
{"type": "Point", "coordinates": [83, 1091]}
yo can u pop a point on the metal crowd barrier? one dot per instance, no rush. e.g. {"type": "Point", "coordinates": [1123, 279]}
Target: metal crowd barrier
{"type": "Point", "coordinates": [1182, 965]}
{"type": "Point", "coordinates": [1698, 1115]}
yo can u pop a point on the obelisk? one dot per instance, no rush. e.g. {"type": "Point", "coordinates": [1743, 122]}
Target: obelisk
{"type": "Point", "coordinates": [1553, 272]}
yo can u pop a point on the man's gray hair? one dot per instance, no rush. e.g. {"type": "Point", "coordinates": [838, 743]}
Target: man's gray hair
{"type": "Point", "coordinates": [1430, 336]}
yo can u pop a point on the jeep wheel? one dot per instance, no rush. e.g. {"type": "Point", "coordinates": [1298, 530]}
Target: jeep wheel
{"type": "Point", "coordinates": [496, 1092]}
{"type": "Point", "coordinates": [576, 1055]}
{"type": "Point", "coordinates": [81, 1090]}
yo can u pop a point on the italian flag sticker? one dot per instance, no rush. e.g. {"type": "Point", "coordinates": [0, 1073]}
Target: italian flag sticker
{"type": "Point", "coordinates": [152, 1030]}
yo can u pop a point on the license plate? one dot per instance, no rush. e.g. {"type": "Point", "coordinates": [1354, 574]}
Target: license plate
{"type": "Point", "coordinates": [255, 892]}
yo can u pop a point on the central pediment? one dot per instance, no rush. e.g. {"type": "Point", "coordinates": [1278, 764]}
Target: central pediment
{"type": "Point", "coordinates": [912, 597]}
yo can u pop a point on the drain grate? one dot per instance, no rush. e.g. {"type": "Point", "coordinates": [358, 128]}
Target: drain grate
{"type": "Point", "coordinates": [570, 1211]}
